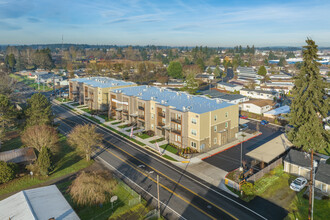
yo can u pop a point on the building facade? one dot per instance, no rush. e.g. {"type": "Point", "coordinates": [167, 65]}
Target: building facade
{"type": "Point", "coordinates": [184, 120]}
{"type": "Point", "coordinates": [94, 91]}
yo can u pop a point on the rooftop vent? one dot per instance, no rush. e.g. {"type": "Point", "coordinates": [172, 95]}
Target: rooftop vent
{"type": "Point", "coordinates": [163, 101]}
{"type": "Point", "coordinates": [218, 101]}
{"type": "Point", "coordinates": [161, 89]}
{"type": "Point", "coordinates": [178, 93]}
{"type": "Point", "coordinates": [153, 98]}
{"type": "Point", "coordinates": [140, 93]}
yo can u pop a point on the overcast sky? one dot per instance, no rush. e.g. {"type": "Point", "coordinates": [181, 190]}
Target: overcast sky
{"type": "Point", "coordinates": [165, 22]}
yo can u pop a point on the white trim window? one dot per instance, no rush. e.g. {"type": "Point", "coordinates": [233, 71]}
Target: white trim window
{"type": "Point", "coordinates": [215, 118]}
{"type": "Point", "coordinates": [194, 120]}
{"type": "Point", "coordinates": [193, 144]}
{"type": "Point", "coordinates": [215, 128]}
{"type": "Point", "coordinates": [193, 132]}
{"type": "Point", "coordinates": [226, 125]}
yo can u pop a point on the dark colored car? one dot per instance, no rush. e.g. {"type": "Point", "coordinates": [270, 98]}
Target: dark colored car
{"type": "Point", "coordinates": [243, 116]}
{"type": "Point", "coordinates": [264, 122]}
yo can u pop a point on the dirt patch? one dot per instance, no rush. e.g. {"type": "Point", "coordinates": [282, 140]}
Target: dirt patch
{"type": "Point", "coordinates": [283, 198]}
{"type": "Point", "coordinates": [12, 134]}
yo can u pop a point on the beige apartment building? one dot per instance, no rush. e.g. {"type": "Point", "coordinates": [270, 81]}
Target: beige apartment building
{"type": "Point", "coordinates": [94, 91]}
{"type": "Point", "coordinates": [184, 120]}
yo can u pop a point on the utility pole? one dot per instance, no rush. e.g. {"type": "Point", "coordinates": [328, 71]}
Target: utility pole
{"type": "Point", "coordinates": [310, 212]}
{"type": "Point", "coordinates": [158, 196]}
{"type": "Point", "coordinates": [54, 87]}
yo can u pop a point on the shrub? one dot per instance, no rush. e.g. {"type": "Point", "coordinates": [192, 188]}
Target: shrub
{"type": "Point", "coordinates": [7, 172]}
{"type": "Point", "coordinates": [325, 198]}
{"type": "Point", "coordinates": [150, 133]}
{"type": "Point", "coordinates": [92, 188]}
{"type": "Point", "coordinates": [248, 188]}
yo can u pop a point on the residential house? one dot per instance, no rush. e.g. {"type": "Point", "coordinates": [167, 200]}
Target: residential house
{"type": "Point", "coordinates": [277, 111]}
{"type": "Point", "coordinates": [322, 178]}
{"type": "Point", "coordinates": [94, 91]}
{"type": "Point", "coordinates": [299, 163]}
{"type": "Point", "coordinates": [24, 155]}
{"type": "Point", "coordinates": [185, 120]}
{"type": "Point", "coordinates": [258, 94]}
{"type": "Point", "coordinates": [247, 74]}
{"type": "Point", "coordinates": [40, 203]}
{"type": "Point", "coordinates": [205, 77]}
{"type": "Point", "coordinates": [257, 106]}
{"type": "Point", "coordinates": [230, 98]}
{"type": "Point", "coordinates": [229, 87]}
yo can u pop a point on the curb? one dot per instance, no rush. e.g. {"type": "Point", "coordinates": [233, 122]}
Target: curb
{"type": "Point", "coordinates": [231, 146]}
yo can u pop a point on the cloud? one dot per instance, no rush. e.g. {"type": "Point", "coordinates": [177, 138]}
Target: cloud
{"type": "Point", "coordinates": [15, 9]}
{"type": "Point", "coordinates": [8, 26]}
{"type": "Point", "coordinates": [33, 20]}
{"type": "Point", "coordinates": [185, 27]}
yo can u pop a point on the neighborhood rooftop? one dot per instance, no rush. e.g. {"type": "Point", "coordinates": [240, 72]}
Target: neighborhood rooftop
{"type": "Point", "coordinates": [179, 100]}
{"type": "Point", "coordinates": [102, 82]}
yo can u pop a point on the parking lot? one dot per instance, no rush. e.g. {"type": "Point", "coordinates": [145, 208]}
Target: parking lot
{"type": "Point", "coordinates": [229, 160]}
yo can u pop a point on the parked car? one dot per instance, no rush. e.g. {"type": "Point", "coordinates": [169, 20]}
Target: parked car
{"type": "Point", "coordinates": [243, 116]}
{"type": "Point", "coordinates": [298, 184]}
{"type": "Point", "coordinates": [264, 122]}
{"type": "Point", "coordinates": [243, 127]}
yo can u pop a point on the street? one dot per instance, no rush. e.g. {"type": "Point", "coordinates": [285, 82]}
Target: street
{"type": "Point", "coordinates": [182, 194]}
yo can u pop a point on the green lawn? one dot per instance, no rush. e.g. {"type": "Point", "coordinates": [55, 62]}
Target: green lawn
{"type": "Point", "coordinates": [169, 157]}
{"type": "Point", "coordinates": [143, 136]}
{"type": "Point", "coordinates": [65, 162]}
{"type": "Point", "coordinates": [30, 82]}
{"type": "Point", "coordinates": [123, 126]}
{"type": "Point", "coordinates": [11, 144]}
{"type": "Point", "coordinates": [157, 140]}
{"type": "Point", "coordinates": [124, 135]}
{"type": "Point", "coordinates": [60, 99]}
{"type": "Point", "coordinates": [169, 148]}
{"type": "Point", "coordinates": [86, 110]}
{"type": "Point", "coordinates": [106, 118]}
{"type": "Point", "coordinates": [115, 123]}
{"type": "Point", "coordinates": [121, 210]}
{"type": "Point", "coordinates": [93, 119]}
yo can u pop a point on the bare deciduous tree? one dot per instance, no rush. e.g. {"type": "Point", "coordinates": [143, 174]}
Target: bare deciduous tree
{"type": "Point", "coordinates": [92, 188]}
{"type": "Point", "coordinates": [40, 136]}
{"type": "Point", "coordinates": [85, 137]}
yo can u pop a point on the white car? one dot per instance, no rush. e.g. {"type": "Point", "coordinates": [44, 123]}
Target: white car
{"type": "Point", "coordinates": [298, 184]}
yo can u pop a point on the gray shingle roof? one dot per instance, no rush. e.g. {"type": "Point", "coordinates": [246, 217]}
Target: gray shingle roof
{"type": "Point", "coordinates": [300, 158]}
{"type": "Point", "coordinates": [323, 173]}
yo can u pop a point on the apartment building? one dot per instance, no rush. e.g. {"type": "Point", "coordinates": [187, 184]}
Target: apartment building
{"type": "Point", "coordinates": [94, 91]}
{"type": "Point", "coordinates": [184, 120]}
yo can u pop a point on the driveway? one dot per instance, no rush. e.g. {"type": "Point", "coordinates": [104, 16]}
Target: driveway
{"type": "Point", "coordinates": [229, 160]}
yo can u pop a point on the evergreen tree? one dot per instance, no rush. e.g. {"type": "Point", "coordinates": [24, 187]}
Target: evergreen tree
{"type": "Point", "coordinates": [7, 115]}
{"type": "Point", "coordinates": [7, 173]}
{"type": "Point", "coordinates": [309, 105]}
{"type": "Point", "coordinates": [44, 161]}
{"type": "Point", "coordinates": [10, 61]}
{"type": "Point", "coordinates": [262, 71]}
{"type": "Point", "coordinates": [175, 70]}
{"type": "Point", "coordinates": [38, 110]}
{"type": "Point", "coordinates": [282, 62]}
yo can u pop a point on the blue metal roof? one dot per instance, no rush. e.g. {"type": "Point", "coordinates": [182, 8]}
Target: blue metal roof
{"type": "Point", "coordinates": [179, 100]}
{"type": "Point", "coordinates": [102, 82]}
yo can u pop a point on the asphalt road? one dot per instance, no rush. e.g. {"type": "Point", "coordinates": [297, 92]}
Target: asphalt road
{"type": "Point", "coordinates": [230, 159]}
{"type": "Point", "coordinates": [182, 194]}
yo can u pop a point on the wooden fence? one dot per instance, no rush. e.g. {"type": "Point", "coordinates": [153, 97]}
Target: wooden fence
{"type": "Point", "coordinates": [262, 172]}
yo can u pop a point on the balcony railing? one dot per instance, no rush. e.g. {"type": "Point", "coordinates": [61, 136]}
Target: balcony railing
{"type": "Point", "coordinates": [161, 124]}
{"type": "Point", "coordinates": [141, 117]}
{"type": "Point", "coordinates": [176, 131]}
{"type": "Point", "coordinates": [161, 114]}
{"type": "Point", "coordinates": [141, 108]}
{"type": "Point", "coordinates": [176, 120]}
{"type": "Point", "coordinates": [125, 111]}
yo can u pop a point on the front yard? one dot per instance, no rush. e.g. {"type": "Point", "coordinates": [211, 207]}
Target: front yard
{"type": "Point", "coordinates": [275, 187]}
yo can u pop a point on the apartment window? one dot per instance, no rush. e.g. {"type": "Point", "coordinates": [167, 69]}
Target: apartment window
{"type": "Point", "coordinates": [152, 126]}
{"type": "Point", "coordinates": [215, 128]}
{"type": "Point", "coordinates": [176, 137]}
{"type": "Point", "coordinates": [193, 144]}
{"type": "Point", "coordinates": [179, 127]}
{"type": "Point", "coordinates": [163, 120]}
{"type": "Point", "coordinates": [215, 118]}
{"type": "Point", "coordinates": [179, 138]}
{"type": "Point", "coordinates": [226, 125]}
{"type": "Point", "coordinates": [226, 114]}
{"type": "Point", "coordinates": [152, 107]}
{"type": "Point", "coordinates": [193, 132]}
{"type": "Point", "coordinates": [215, 140]}
{"type": "Point", "coordinates": [194, 120]}
{"type": "Point", "coordinates": [179, 117]}
{"type": "Point", "coordinates": [152, 116]}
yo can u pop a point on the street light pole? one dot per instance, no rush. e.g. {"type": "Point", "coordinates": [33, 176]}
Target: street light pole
{"type": "Point", "coordinates": [241, 167]}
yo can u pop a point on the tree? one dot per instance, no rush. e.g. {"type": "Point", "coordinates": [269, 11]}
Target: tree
{"type": "Point", "coordinates": [216, 60]}
{"type": "Point", "coordinates": [262, 71]}
{"type": "Point", "coordinates": [175, 70]}
{"type": "Point", "coordinates": [44, 161]}
{"type": "Point", "coordinates": [290, 55]}
{"type": "Point", "coordinates": [40, 136]}
{"type": "Point", "coordinates": [209, 70]}
{"type": "Point", "coordinates": [6, 83]}
{"type": "Point", "coordinates": [10, 61]}
{"type": "Point", "coordinates": [92, 188]}
{"type": "Point", "coordinates": [43, 59]}
{"type": "Point", "coordinates": [7, 172]}
{"type": "Point", "coordinates": [309, 105]}
{"type": "Point", "coordinates": [251, 85]}
{"type": "Point", "coordinates": [272, 56]}
{"type": "Point", "coordinates": [38, 110]}
{"type": "Point", "coordinates": [201, 64]}
{"type": "Point", "coordinates": [191, 83]}
{"type": "Point", "coordinates": [282, 62]}
{"type": "Point", "coordinates": [7, 115]}
{"type": "Point", "coordinates": [217, 71]}
{"type": "Point", "coordinates": [85, 138]}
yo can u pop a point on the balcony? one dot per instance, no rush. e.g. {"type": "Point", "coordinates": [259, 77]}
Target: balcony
{"type": "Point", "coordinates": [161, 114]}
{"type": "Point", "coordinates": [141, 108]}
{"type": "Point", "coordinates": [176, 131]}
{"type": "Point", "coordinates": [125, 111]}
{"type": "Point", "coordinates": [176, 120]}
{"type": "Point", "coordinates": [141, 117]}
{"type": "Point", "coordinates": [160, 124]}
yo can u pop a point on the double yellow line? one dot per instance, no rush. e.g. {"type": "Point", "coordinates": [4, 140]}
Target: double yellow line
{"type": "Point", "coordinates": [134, 167]}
